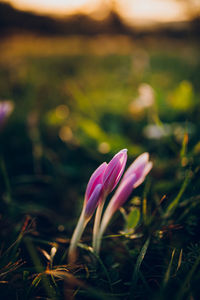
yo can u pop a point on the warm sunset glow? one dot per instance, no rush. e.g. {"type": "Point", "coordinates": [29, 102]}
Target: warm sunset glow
{"type": "Point", "coordinates": [57, 6]}
{"type": "Point", "coordinates": [135, 11]}
{"type": "Point", "coordinates": [152, 10]}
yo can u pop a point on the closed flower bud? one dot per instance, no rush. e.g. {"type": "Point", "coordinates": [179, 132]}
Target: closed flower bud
{"type": "Point", "coordinates": [93, 201]}
{"type": "Point", "coordinates": [95, 179]}
{"type": "Point", "coordinates": [114, 171]}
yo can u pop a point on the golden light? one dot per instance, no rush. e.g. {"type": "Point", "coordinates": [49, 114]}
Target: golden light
{"type": "Point", "coordinates": [65, 133]}
{"type": "Point", "coordinates": [62, 111]}
{"type": "Point", "coordinates": [57, 6]}
{"type": "Point", "coordinates": [104, 147]}
{"type": "Point", "coordinates": [133, 11]}
{"type": "Point", "coordinates": [151, 10]}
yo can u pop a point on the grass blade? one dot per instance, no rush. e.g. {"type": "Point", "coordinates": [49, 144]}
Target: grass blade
{"type": "Point", "coordinates": [168, 272]}
{"type": "Point", "coordinates": [135, 275]}
{"type": "Point", "coordinates": [175, 202]}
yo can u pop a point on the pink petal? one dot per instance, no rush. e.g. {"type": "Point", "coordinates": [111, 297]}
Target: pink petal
{"type": "Point", "coordinates": [95, 179]}
{"type": "Point", "coordinates": [114, 170]}
{"type": "Point", "coordinates": [146, 170]}
{"type": "Point", "coordinates": [138, 165]}
{"type": "Point", "coordinates": [133, 177]}
{"type": "Point", "coordinates": [93, 201]}
{"type": "Point", "coordinates": [123, 192]}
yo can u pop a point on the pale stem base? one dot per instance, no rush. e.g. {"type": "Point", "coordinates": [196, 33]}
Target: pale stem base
{"type": "Point", "coordinates": [97, 223]}
{"type": "Point", "coordinates": [82, 222]}
{"type": "Point", "coordinates": [106, 218]}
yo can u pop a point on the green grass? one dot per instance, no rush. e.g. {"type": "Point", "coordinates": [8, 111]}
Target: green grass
{"type": "Point", "coordinates": [49, 151]}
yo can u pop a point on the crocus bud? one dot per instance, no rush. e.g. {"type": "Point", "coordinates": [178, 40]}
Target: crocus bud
{"type": "Point", "coordinates": [111, 177]}
{"type": "Point", "coordinates": [140, 167]}
{"type": "Point", "coordinates": [121, 195]}
{"type": "Point", "coordinates": [93, 201]}
{"type": "Point", "coordinates": [133, 177]}
{"type": "Point", "coordinates": [114, 171]}
{"type": "Point", "coordinates": [123, 192]}
{"type": "Point", "coordinates": [6, 108]}
{"type": "Point", "coordinates": [92, 196]}
{"type": "Point", "coordinates": [95, 179]}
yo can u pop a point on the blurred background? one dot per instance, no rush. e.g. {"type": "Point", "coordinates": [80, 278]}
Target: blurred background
{"type": "Point", "coordinates": [83, 80]}
{"type": "Point", "coordinates": [88, 78]}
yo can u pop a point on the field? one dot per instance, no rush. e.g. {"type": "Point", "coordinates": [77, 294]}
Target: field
{"type": "Point", "coordinates": [77, 102]}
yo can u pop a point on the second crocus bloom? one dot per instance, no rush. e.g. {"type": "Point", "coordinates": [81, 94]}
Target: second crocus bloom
{"type": "Point", "coordinates": [132, 178]}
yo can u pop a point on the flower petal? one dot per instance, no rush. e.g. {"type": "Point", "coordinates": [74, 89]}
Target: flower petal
{"type": "Point", "coordinates": [123, 192]}
{"type": "Point", "coordinates": [95, 179]}
{"type": "Point", "coordinates": [138, 165]}
{"type": "Point", "coordinates": [121, 195]}
{"type": "Point", "coordinates": [114, 171]}
{"type": "Point", "coordinates": [146, 170]}
{"type": "Point", "coordinates": [93, 201]}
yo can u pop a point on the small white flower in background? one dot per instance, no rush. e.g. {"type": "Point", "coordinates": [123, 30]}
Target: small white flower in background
{"type": "Point", "coordinates": [156, 132]}
{"type": "Point", "coordinates": [146, 95]}
{"type": "Point", "coordinates": [178, 130]}
{"type": "Point", "coordinates": [145, 99]}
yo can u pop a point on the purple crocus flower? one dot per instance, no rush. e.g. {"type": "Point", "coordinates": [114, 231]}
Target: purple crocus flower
{"type": "Point", "coordinates": [133, 177]}
{"type": "Point", "coordinates": [93, 201]}
{"type": "Point", "coordinates": [101, 183]}
{"type": "Point", "coordinates": [111, 177]}
{"type": "Point", "coordinates": [6, 108]}
{"type": "Point", "coordinates": [107, 176]}
{"type": "Point", "coordinates": [140, 167]}
{"type": "Point", "coordinates": [95, 179]}
{"type": "Point", "coordinates": [123, 192]}
{"type": "Point", "coordinates": [114, 171]}
{"type": "Point", "coordinates": [92, 196]}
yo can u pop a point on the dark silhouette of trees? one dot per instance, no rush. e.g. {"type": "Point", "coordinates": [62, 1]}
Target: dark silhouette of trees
{"type": "Point", "coordinates": [13, 20]}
